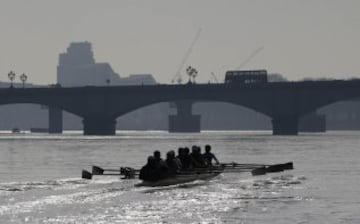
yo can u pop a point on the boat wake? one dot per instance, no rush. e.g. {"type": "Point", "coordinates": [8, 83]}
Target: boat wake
{"type": "Point", "coordinates": [50, 184]}
{"type": "Point", "coordinates": [35, 196]}
{"type": "Point", "coordinates": [108, 200]}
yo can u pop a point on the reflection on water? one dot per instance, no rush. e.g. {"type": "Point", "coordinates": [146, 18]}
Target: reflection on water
{"type": "Point", "coordinates": [40, 179]}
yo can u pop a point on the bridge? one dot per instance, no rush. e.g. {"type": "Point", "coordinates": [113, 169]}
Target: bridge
{"type": "Point", "coordinates": [99, 107]}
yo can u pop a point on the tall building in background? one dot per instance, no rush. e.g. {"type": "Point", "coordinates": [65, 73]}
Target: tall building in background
{"type": "Point", "coordinates": [77, 67]}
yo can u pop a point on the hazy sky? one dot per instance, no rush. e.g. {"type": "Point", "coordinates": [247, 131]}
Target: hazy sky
{"type": "Point", "coordinates": [303, 38]}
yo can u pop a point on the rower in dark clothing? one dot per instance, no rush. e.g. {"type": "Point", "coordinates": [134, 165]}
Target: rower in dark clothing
{"type": "Point", "coordinates": [151, 171]}
{"type": "Point", "coordinates": [185, 158]}
{"type": "Point", "coordinates": [161, 164]}
{"type": "Point", "coordinates": [157, 156]}
{"type": "Point", "coordinates": [208, 156]}
{"type": "Point", "coordinates": [173, 163]}
{"type": "Point", "coordinates": [197, 159]}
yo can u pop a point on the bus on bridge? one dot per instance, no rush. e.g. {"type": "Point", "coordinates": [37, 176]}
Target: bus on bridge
{"type": "Point", "coordinates": [246, 76]}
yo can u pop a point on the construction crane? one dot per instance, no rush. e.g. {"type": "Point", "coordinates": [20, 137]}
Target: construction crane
{"type": "Point", "coordinates": [251, 56]}
{"type": "Point", "coordinates": [177, 77]}
{"type": "Point", "coordinates": [214, 76]}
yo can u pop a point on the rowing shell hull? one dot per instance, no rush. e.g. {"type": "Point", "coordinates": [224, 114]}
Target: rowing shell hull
{"type": "Point", "coordinates": [180, 179]}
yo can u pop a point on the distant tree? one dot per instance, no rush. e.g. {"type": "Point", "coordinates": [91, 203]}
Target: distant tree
{"type": "Point", "coordinates": [275, 77]}
{"type": "Point", "coordinates": [317, 79]}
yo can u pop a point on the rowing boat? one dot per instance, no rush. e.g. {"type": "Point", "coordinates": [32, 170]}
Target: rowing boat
{"type": "Point", "coordinates": [189, 176]}
{"type": "Point", "coordinates": [180, 179]}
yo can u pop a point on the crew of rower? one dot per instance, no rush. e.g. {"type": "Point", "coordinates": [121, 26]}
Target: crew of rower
{"type": "Point", "coordinates": [156, 168]}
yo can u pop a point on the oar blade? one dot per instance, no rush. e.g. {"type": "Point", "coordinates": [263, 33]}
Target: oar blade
{"type": "Point", "coordinates": [275, 168]}
{"type": "Point", "coordinates": [86, 175]}
{"type": "Point", "coordinates": [96, 170]}
{"type": "Point", "coordinates": [258, 171]}
{"type": "Point", "coordinates": [288, 166]}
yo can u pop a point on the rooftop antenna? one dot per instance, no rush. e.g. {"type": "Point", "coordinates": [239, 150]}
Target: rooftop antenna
{"type": "Point", "coordinates": [177, 77]}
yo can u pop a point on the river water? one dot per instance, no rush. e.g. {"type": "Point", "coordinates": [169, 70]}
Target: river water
{"type": "Point", "coordinates": [40, 179]}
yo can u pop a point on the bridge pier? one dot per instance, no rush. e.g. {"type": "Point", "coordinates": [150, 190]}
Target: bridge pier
{"type": "Point", "coordinates": [184, 120]}
{"type": "Point", "coordinates": [99, 126]}
{"type": "Point", "coordinates": [55, 120]}
{"type": "Point", "coordinates": [286, 125]}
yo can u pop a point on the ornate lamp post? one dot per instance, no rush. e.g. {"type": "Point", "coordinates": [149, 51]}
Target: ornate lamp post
{"type": "Point", "coordinates": [23, 79]}
{"type": "Point", "coordinates": [188, 71]}
{"type": "Point", "coordinates": [11, 76]}
{"type": "Point", "coordinates": [192, 73]}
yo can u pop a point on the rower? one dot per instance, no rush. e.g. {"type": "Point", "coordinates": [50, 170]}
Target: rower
{"type": "Point", "coordinates": [185, 158]}
{"type": "Point", "coordinates": [173, 163]}
{"type": "Point", "coordinates": [208, 156]}
{"type": "Point", "coordinates": [160, 163]}
{"type": "Point", "coordinates": [150, 172]}
{"type": "Point", "coordinates": [197, 159]}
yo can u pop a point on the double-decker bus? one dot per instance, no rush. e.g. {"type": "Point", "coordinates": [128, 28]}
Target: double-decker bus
{"type": "Point", "coordinates": [246, 76]}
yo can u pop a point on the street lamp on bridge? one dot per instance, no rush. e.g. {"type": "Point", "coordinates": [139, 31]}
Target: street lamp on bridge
{"type": "Point", "coordinates": [23, 79]}
{"type": "Point", "coordinates": [192, 73]}
{"type": "Point", "coordinates": [11, 76]}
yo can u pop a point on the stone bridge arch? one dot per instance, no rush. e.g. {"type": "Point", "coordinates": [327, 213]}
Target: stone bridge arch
{"type": "Point", "coordinates": [100, 106]}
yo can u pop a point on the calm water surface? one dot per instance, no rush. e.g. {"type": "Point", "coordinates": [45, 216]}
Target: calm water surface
{"type": "Point", "coordinates": [40, 179]}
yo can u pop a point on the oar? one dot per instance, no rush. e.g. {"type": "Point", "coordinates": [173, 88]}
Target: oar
{"type": "Point", "coordinates": [96, 170]}
{"type": "Point", "coordinates": [272, 168]}
{"type": "Point", "coordinates": [230, 165]}
{"type": "Point", "coordinates": [87, 175]}
{"type": "Point", "coordinates": [286, 166]}
{"type": "Point", "coordinates": [127, 172]}
{"type": "Point", "coordinates": [258, 171]}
